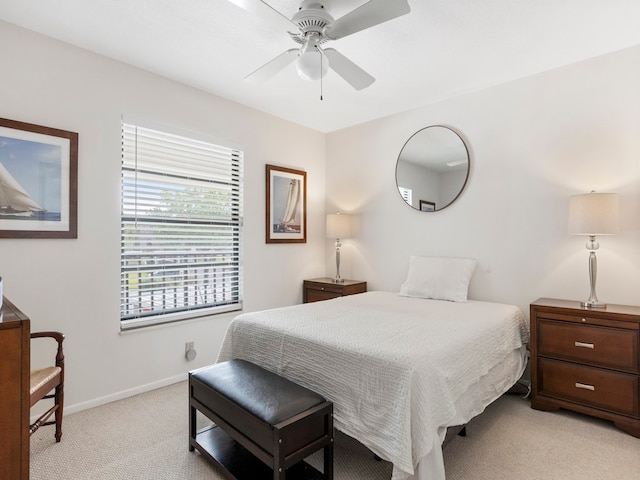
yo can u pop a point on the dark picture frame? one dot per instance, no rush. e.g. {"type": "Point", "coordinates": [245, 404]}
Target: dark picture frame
{"type": "Point", "coordinates": [286, 205]}
{"type": "Point", "coordinates": [426, 206]}
{"type": "Point", "coordinates": [38, 181]}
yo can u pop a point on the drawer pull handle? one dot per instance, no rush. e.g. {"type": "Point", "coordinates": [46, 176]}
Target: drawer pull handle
{"type": "Point", "coordinates": [584, 345]}
{"type": "Point", "coordinates": [585, 386]}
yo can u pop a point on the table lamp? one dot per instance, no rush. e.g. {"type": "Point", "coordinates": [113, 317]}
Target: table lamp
{"type": "Point", "coordinates": [338, 226]}
{"type": "Point", "coordinates": [593, 214]}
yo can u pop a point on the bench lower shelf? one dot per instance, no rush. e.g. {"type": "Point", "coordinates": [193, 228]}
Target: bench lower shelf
{"type": "Point", "coordinates": [239, 463]}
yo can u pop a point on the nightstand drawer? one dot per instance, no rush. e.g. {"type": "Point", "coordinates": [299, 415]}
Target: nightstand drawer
{"type": "Point", "coordinates": [599, 346]}
{"type": "Point", "coordinates": [335, 288]}
{"type": "Point", "coordinates": [319, 289]}
{"type": "Point", "coordinates": [313, 295]}
{"type": "Point", "coordinates": [615, 392]}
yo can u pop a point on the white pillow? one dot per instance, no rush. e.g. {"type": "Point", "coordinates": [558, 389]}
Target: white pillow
{"type": "Point", "coordinates": [438, 278]}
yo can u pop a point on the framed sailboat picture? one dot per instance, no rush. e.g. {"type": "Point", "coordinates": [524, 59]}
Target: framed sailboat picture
{"type": "Point", "coordinates": [286, 218]}
{"type": "Point", "coordinates": [38, 181]}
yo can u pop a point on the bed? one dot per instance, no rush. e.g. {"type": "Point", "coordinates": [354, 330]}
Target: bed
{"type": "Point", "coordinates": [399, 369]}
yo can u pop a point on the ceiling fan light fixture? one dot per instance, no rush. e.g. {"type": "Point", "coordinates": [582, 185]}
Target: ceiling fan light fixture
{"type": "Point", "coordinates": [312, 64]}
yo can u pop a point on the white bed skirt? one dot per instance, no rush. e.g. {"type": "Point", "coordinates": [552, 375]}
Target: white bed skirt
{"type": "Point", "coordinates": [488, 389]}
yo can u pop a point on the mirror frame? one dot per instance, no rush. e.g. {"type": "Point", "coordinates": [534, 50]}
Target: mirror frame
{"type": "Point", "coordinates": [466, 179]}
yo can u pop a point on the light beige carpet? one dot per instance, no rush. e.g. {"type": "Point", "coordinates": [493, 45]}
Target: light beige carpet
{"type": "Point", "coordinates": [146, 437]}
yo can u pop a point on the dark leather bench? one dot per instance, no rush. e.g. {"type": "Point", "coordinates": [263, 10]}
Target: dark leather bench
{"type": "Point", "coordinates": [265, 425]}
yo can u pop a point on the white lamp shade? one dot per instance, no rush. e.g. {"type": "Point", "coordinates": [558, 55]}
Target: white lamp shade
{"type": "Point", "coordinates": [338, 226]}
{"type": "Point", "coordinates": [593, 214]}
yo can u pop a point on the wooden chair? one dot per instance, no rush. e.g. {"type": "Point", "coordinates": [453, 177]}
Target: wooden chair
{"type": "Point", "coordinates": [48, 383]}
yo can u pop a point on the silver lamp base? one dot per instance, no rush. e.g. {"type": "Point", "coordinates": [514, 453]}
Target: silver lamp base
{"type": "Point", "coordinates": [593, 301]}
{"type": "Point", "coordinates": [338, 279]}
{"type": "Point", "coordinates": [588, 304]}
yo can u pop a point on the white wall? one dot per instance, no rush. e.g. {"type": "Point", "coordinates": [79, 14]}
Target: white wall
{"type": "Point", "coordinates": [533, 143]}
{"type": "Point", "coordinates": [73, 285]}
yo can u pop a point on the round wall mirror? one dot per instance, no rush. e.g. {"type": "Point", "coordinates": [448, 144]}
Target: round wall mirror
{"type": "Point", "coordinates": [432, 168]}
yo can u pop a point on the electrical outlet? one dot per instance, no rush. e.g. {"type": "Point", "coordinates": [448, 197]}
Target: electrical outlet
{"type": "Point", "coordinates": [190, 351]}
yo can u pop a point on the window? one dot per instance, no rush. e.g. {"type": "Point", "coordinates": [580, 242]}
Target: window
{"type": "Point", "coordinates": [406, 194]}
{"type": "Point", "coordinates": [181, 228]}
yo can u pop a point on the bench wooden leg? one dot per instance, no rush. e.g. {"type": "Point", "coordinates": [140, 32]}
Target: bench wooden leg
{"type": "Point", "coordinates": [279, 471]}
{"type": "Point", "coordinates": [328, 450]}
{"type": "Point", "coordinates": [192, 427]}
{"type": "Point", "coordinates": [328, 461]}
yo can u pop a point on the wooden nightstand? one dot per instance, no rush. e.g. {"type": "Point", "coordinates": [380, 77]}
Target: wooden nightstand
{"type": "Point", "coordinates": [586, 360]}
{"type": "Point", "coordinates": [325, 288]}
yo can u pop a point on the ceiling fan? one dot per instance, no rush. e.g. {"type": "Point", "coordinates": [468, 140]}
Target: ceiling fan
{"type": "Point", "coordinates": [315, 27]}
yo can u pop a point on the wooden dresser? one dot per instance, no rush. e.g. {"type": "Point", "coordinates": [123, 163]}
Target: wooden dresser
{"type": "Point", "coordinates": [586, 360]}
{"type": "Point", "coordinates": [325, 288]}
{"type": "Point", "coordinates": [14, 400]}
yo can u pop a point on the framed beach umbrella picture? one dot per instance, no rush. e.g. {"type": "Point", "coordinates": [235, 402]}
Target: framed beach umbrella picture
{"type": "Point", "coordinates": [286, 212]}
{"type": "Point", "coordinates": [38, 181]}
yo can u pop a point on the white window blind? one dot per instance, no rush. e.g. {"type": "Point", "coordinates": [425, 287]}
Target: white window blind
{"type": "Point", "coordinates": [181, 228]}
{"type": "Point", "coordinates": [406, 194]}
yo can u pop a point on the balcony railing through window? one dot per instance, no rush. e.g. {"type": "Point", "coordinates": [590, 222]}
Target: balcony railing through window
{"type": "Point", "coordinates": [159, 284]}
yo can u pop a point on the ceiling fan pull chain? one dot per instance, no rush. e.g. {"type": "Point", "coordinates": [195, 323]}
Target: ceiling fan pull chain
{"type": "Point", "coordinates": [321, 78]}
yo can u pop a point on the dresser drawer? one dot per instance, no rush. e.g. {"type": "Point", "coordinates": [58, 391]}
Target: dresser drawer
{"type": "Point", "coordinates": [599, 346]}
{"type": "Point", "coordinates": [594, 387]}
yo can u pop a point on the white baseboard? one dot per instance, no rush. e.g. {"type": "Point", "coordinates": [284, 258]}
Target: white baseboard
{"type": "Point", "coordinates": [96, 402]}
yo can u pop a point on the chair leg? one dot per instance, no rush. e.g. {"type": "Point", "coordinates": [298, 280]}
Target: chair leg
{"type": "Point", "coordinates": [59, 399]}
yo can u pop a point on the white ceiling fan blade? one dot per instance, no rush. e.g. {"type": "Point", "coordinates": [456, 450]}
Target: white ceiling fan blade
{"type": "Point", "coordinates": [272, 67]}
{"type": "Point", "coordinates": [367, 15]}
{"type": "Point", "coordinates": [266, 11]}
{"type": "Point", "coordinates": [353, 74]}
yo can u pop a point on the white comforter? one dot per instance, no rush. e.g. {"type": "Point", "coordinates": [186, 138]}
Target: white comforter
{"type": "Point", "coordinates": [393, 366]}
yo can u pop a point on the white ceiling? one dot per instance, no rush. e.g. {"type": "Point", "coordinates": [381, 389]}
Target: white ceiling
{"type": "Point", "coordinates": [441, 49]}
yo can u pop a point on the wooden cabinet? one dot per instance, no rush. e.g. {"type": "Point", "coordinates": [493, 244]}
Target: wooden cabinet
{"type": "Point", "coordinates": [14, 400]}
{"type": "Point", "coordinates": [325, 288]}
{"type": "Point", "coordinates": [586, 360]}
